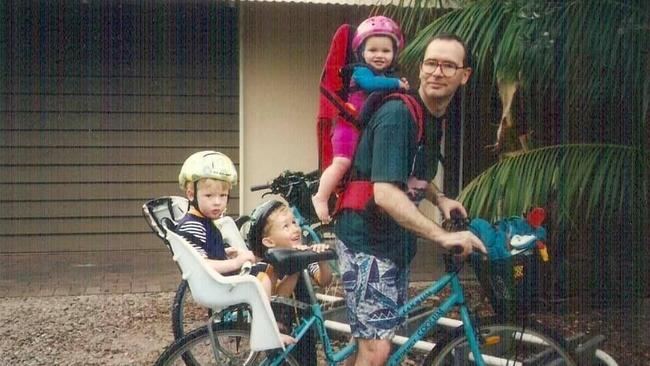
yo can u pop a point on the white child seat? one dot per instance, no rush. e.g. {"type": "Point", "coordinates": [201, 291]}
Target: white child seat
{"type": "Point", "coordinates": [170, 209]}
{"type": "Point", "coordinates": [209, 288]}
{"type": "Point", "coordinates": [212, 290]}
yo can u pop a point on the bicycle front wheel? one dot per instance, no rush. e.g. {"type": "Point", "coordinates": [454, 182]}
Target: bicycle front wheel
{"type": "Point", "coordinates": [503, 344]}
{"type": "Point", "coordinates": [232, 344]}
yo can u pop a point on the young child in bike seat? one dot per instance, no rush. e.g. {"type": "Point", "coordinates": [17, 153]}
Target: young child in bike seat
{"type": "Point", "coordinates": [274, 226]}
{"type": "Point", "coordinates": [376, 43]}
{"type": "Point", "coordinates": [206, 178]}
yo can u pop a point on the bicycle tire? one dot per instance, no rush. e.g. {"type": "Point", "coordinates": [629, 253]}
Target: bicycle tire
{"type": "Point", "coordinates": [198, 344]}
{"type": "Point", "coordinates": [186, 314]}
{"type": "Point", "coordinates": [454, 349]}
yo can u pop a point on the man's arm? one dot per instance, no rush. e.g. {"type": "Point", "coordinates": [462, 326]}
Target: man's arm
{"type": "Point", "coordinates": [397, 204]}
{"type": "Point", "coordinates": [445, 204]}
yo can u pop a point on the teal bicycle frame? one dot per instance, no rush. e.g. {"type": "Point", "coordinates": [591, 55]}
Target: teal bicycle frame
{"type": "Point", "coordinates": [456, 298]}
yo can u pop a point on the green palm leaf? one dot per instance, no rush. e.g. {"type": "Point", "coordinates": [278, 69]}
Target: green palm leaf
{"type": "Point", "coordinates": [590, 179]}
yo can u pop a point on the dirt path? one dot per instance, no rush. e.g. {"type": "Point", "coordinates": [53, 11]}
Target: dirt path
{"type": "Point", "coordinates": [133, 329]}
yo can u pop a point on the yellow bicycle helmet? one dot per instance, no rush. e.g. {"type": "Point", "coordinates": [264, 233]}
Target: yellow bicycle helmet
{"type": "Point", "coordinates": [207, 164]}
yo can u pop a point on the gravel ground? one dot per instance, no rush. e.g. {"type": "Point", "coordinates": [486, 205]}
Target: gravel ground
{"type": "Point", "coordinates": [132, 329]}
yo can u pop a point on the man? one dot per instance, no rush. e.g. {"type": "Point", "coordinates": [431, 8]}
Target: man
{"type": "Point", "coordinates": [377, 242]}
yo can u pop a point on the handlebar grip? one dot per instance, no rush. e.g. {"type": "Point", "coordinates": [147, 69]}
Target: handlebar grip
{"type": "Point", "coordinates": [260, 187]}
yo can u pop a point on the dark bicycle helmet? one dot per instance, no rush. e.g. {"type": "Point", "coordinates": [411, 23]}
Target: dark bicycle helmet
{"type": "Point", "coordinates": [259, 216]}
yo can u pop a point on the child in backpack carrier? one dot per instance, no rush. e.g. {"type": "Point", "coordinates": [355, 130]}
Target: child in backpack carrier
{"type": "Point", "coordinates": [376, 43]}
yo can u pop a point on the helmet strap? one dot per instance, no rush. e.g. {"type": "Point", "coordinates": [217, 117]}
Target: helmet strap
{"type": "Point", "coordinates": [195, 199]}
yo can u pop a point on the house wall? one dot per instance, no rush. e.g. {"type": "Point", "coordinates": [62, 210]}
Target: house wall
{"type": "Point", "coordinates": [282, 49]}
{"type": "Point", "coordinates": [100, 104]}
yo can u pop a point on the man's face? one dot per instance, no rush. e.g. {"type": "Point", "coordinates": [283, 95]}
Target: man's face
{"type": "Point", "coordinates": [441, 81]}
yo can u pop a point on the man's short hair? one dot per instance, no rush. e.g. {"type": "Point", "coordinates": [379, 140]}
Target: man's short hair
{"type": "Point", "coordinates": [467, 60]}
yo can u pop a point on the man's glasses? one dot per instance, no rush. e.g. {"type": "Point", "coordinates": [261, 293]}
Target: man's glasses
{"type": "Point", "coordinates": [448, 69]}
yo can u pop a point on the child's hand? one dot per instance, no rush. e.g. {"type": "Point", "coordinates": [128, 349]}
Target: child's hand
{"type": "Point", "coordinates": [246, 256]}
{"type": "Point", "coordinates": [319, 248]}
{"type": "Point", "coordinates": [231, 252]}
{"type": "Point", "coordinates": [242, 256]}
{"type": "Point", "coordinates": [300, 247]}
{"type": "Point", "coordinates": [404, 84]}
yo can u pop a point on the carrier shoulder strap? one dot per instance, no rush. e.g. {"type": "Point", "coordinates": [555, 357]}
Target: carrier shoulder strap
{"type": "Point", "coordinates": [358, 193]}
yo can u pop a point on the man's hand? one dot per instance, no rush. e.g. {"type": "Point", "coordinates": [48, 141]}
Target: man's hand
{"type": "Point", "coordinates": [447, 206]}
{"type": "Point", "coordinates": [464, 239]}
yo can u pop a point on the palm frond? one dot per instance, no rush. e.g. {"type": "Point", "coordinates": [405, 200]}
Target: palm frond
{"type": "Point", "coordinates": [593, 180]}
{"type": "Point", "coordinates": [591, 54]}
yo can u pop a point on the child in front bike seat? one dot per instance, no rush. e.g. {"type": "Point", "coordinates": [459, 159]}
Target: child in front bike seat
{"type": "Point", "coordinates": [206, 178]}
{"type": "Point", "coordinates": [274, 226]}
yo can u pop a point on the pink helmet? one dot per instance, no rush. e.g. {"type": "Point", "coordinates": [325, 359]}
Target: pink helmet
{"type": "Point", "coordinates": [378, 26]}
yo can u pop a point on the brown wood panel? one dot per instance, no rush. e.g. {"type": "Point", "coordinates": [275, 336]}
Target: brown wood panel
{"type": "Point", "coordinates": [116, 85]}
{"type": "Point", "coordinates": [83, 208]}
{"type": "Point", "coordinates": [93, 191]}
{"type": "Point", "coordinates": [127, 172]}
{"type": "Point", "coordinates": [137, 155]}
{"type": "Point", "coordinates": [107, 224]}
{"type": "Point", "coordinates": [119, 122]}
{"type": "Point", "coordinates": [116, 92]}
{"type": "Point", "coordinates": [80, 242]}
{"type": "Point", "coordinates": [173, 38]}
{"type": "Point", "coordinates": [49, 226]}
{"type": "Point", "coordinates": [116, 139]}
{"type": "Point", "coordinates": [72, 209]}
{"type": "Point", "coordinates": [121, 103]}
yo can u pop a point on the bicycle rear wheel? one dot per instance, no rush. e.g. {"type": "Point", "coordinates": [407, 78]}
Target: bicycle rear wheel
{"type": "Point", "coordinates": [503, 344]}
{"type": "Point", "coordinates": [186, 314]}
{"type": "Point", "coordinates": [233, 343]}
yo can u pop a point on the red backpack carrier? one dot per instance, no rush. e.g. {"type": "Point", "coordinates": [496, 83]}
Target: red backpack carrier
{"type": "Point", "coordinates": [333, 106]}
{"type": "Point", "coordinates": [334, 84]}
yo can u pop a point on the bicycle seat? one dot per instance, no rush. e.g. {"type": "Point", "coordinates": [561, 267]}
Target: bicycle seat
{"type": "Point", "coordinates": [212, 290]}
{"type": "Point", "coordinates": [289, 261]}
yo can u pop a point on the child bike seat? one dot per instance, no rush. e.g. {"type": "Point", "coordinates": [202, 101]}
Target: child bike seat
{"type": "Point", "coordinates": [212, 290]}
{"type": "Point", "coordinates": [164, 212]}
{"type": "Point", "coordinates": [289, 261]}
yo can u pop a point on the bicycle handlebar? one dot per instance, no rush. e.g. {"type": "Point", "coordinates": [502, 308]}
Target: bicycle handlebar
{"type": "Point", "coordinates": [260, 187]}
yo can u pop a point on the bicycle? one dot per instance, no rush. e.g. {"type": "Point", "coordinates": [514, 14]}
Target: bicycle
{"type": "Point", "coordinates": [473, 342]}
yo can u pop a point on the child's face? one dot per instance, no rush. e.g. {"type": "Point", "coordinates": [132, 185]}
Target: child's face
{"type": "Point", "coordinates": [378, 52]}
{"type": "Point", "coordinates": [283, 231]}
{"type": "Point", "coordinates": [212, 196]}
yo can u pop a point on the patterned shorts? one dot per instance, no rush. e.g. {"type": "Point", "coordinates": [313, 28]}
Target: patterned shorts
{"type": "Point", "coordinates": [375, 288]}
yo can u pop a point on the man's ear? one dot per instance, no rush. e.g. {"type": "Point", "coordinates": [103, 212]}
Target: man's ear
{"type": "Point", "coordinates": [467, 72]}
{"type": "Point", "coordinates": [268, 242]}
